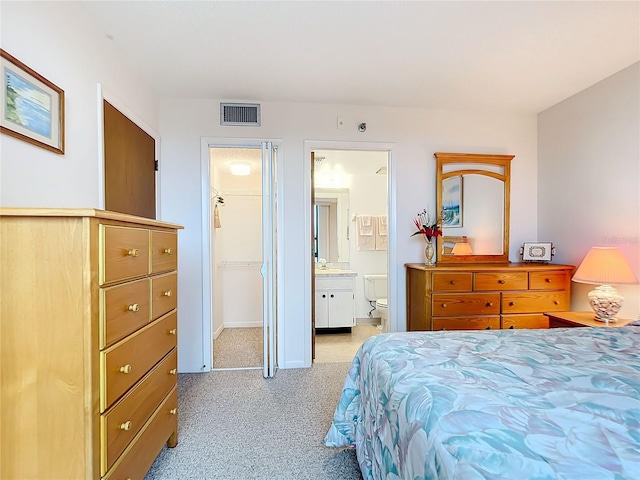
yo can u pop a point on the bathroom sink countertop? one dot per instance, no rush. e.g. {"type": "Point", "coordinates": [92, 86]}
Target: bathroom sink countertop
{"type": "Point", "coordinates": [335, 272]}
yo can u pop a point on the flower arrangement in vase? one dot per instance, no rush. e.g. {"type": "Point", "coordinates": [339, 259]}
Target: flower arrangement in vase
{"type": "Point", "coordinates": [429, 229]}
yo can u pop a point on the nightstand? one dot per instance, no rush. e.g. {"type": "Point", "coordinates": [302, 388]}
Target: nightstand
{"type": "Point", "coordinates": [580, 319]}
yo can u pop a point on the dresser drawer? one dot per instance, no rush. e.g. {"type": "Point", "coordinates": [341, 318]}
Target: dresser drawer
{"type": "Point", "coordinates": [535, 320]}
{"type": "Point", "coordinates": [164, 294]}
{"type": "Point", "coordinates": [126, 362]}
{"type": "Point", "coordinates": [123, 310]}
{"type": "Point", "coordinates": [164, 251]}
{"type": "Point", "coordinates": [122, 422]}
{"type": "Point", "coordinates": [466, 323]}
{"type": "Point", "coordinates": [139, 456]}
{"type": "Point", "coordinates": [452, 282]}
{"type": "Point", "coordinates": [552, 280]}
{"type": "Point", "coordinates": [531, 302]}
{"type": "Point", "coordinates": [466, 304]}
{"type": "Point", "coordinates": [500, 281]}
{"type": "Point", "coordinates": [124, 253]}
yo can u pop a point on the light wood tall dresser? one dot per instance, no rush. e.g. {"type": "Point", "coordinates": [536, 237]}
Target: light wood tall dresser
{"type": "Point", "coordinates": [485, 296]}
{"type": "Point", "coordinates": [88, 343]}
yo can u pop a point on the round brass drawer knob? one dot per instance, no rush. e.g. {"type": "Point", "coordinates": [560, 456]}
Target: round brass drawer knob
{"type": "Point", "coordinates": [173, 371]}
{"type": "Point", "coordinates": [167, 251]}
{"type": "Point", "coordinates": [173, 331]}
{"type": "Point", "coordinates": [125, 368]}
{"type": "Point", "coordinates": [133, 252]}
{"type": "Point", "coordinates": [134, 307]}
{"type": "Point", "coordinates": [173, 411]}
{"type": "Point", "coordinates": [168, 293]}
{"type": "Point", "coordinates": [126, 425]}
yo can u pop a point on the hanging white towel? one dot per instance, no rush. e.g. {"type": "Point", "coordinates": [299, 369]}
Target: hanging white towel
{"type": "Point", "coordinates": [381, 232]}
{"type": "Point", "coordinates": [216, 217]}
{"type": "Point", "coordinates": [365, 239]}
{"type": "Point", "coordinates": [365, 225]}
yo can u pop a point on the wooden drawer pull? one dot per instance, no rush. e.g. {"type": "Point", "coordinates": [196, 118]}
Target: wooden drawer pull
{"type": "Point", "coordinates": [126, 425]}
{"type": "Point", "coordinates": [167, 251]}
{"type": "Point", "coordinates": [444, 305]}
{"type": "Point", "coordinates": [126, 368]}
{"type": "Point", "coordinates": [501, 282]}
{"type": "Point", "coordinates": [511, 304]}
{"type": "Point", "coordinates": [134, 307]}
{"type": "Point", "coordinates": [489, 304]}
{"type": "Point", "coordinates": [173, 411]}
{"type": "Point", "coordinates": [488, 328]}
{"type": "Point", "coordinates": [167, 293]}
{"type": "Point", "coordinates": [173, 331]}
{"type": "Point", "coordinates": [548, 280]}
{"type": "Point", "coordinates": [133, 252]}
{"type": "Point", "coordinates": [512, 327]}
{"type": "Point", "coordinates": [556, 302]}
{"type": "Point", "coordinates": [173, 371]}
{"type": "Point", "coordinates": [452, 282]}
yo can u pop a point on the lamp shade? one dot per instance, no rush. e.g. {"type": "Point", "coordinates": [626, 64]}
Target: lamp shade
{"type": "Point", "coordinates": [462, 248]}
{"type": "Point", "coordinates": [604, 265]}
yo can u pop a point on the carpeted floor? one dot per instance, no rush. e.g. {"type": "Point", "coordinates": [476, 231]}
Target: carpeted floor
{"type": "Point", "coordinates": [237, 425]}
{"type": "Point", "coordinates": [242, 347]}
{"type": "Point", "coordinates": [238, 348]}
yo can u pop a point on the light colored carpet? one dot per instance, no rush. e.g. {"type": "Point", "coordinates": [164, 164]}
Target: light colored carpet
{"type": "Point", "coordinates": [238, 348]}
{"type": "Point", "coordinates": [235, 425]}
{"type": "Point", "coordinates": [242, 347]}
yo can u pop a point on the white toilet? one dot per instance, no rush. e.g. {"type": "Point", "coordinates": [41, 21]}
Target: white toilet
{"type": "Point", "coordinates": [375, 290]}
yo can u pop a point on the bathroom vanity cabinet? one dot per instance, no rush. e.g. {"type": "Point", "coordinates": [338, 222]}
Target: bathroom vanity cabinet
{"type": "Point", "coordinates": [335, 299]}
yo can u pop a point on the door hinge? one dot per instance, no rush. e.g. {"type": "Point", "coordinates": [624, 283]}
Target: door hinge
{"type": "Point", "coordinates": [155, 165]}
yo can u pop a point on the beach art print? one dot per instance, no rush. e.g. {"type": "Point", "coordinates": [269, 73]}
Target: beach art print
{"type": "Point", "coordinates": [32, 106]}
{"type": "Point", "coordinates": [452, 201]}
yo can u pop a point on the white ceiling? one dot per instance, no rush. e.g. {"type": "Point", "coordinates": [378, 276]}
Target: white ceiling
{"type": "Point", "coordinates": [503, 56]}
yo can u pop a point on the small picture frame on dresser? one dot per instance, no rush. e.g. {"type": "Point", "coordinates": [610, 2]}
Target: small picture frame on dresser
{"type": "Point", "coordinates": [537, 252]}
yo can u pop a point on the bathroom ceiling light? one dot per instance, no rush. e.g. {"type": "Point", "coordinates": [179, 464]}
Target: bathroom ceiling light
{"type": "Point", "coordinates": [240, 168]}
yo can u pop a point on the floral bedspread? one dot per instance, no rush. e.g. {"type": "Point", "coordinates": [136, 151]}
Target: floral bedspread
{"type": "Point", "coordinates": [523, 404]}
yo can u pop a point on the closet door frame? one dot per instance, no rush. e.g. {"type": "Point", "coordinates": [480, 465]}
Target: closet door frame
{"type": "Point", "coordinates": [207, 270]}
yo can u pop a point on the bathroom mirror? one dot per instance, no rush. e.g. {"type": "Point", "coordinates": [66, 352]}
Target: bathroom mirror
{"type": "Point", "coordinates": [472, 194]}
{"type": "Point", "coordinates": [331, 224]}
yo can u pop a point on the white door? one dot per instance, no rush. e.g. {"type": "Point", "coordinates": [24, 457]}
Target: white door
{"type": "Point", "coordinates": [269, 246]}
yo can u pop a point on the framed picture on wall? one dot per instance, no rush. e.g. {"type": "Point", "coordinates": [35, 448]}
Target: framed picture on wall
{"type": "Point", "coordinates": [32, 108]}
{"type": "Point", "coordinates": [452, 201]}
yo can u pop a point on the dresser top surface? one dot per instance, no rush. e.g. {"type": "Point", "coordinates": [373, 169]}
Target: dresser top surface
{"type": "Point", "coordinates": [489, 267]}
{"type": "Point", "coordinates": [84, 212]}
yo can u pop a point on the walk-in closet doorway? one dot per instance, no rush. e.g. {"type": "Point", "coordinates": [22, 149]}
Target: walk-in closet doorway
{"type": "Point", "coordinates": [241, 223]}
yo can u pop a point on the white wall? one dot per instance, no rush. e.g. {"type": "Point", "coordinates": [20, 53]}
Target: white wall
{"type": "Point", "coordinates": [589, 177]}
{"type": "Point", "coordinates": [62, 43]}
{"type": "Point", "coordinates": [415, 134]}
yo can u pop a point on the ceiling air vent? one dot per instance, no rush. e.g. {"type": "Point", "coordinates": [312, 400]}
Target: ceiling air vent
{"type": "Point", "coordinates": [247, 114]}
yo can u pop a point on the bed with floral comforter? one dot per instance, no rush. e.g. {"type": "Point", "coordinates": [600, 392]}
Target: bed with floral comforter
{"type": "Point", "coordinates": [523, 404]}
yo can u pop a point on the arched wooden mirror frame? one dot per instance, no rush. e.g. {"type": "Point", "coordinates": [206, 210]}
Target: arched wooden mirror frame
{"type": "Point", "coordinates": [471, 159]}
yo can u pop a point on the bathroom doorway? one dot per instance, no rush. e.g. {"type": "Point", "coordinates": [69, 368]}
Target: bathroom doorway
{"type": "Point", "coordinates": [348, 185]}
{"type": "Point", "coordinates": [243, 216]}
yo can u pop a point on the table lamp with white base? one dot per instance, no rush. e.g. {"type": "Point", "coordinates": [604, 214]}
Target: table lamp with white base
{"type": "Point", "coordinates": [605, 266]}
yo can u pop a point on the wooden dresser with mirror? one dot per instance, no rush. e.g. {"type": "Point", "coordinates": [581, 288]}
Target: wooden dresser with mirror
{"type": "Point", "coordinates": [481, 290]}
{"type": "Point", "coordinates": [88, 341]}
